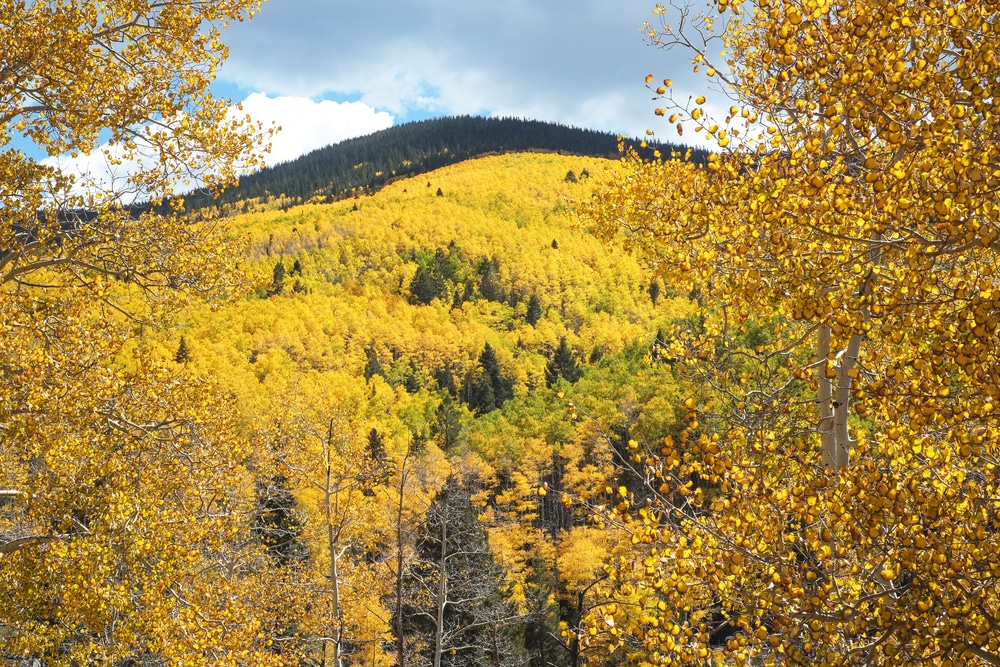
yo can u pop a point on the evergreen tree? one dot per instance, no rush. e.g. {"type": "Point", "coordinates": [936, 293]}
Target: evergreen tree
{"type": "Point", "coordinates": [411, 381]}
{"type": "Point", "coordinates": [447, 427]}
{"type": "Point", "coordinates": [445, 378]}
{"type": "Point", "coordinates": [455, 610]}
{"type": "Point", "coordinates": [183, 355]}
{"type": "Point", "coordinates": [376, 447]}
{"type": "Point", "coordinates": [372, 365]}
{"type": "Point", "coordinates": [376, 470]}
{"type": "Point", "coordinates": [278, 280]}
{"type": "Point", "coordinates": [534, 311]}
{"type": "Point", "coordinates": [458, 298]}
{"type": "Point", "coordinates": [654, 291]}
{"type": "Point", "coordinates": [477, 392]}
{"type": "Point", "coordinates": [562, 365]}
{"type": "Point", "coordinates": [426, 286]}
{"type": "Point", "coordinates": [489, 280]}
{"type": "Point", "coordinates": [446, 264]}
{"type": "Point", "coordinates": [503, 388]}
{"type": "Point", "coordinates": [418, 442]}
{"type": "Point", "coordinates": [296, 267]}
{"type": "Point", "coordinates": [275, 522]}
{"type": "Point", "coordinates": [570, 176]}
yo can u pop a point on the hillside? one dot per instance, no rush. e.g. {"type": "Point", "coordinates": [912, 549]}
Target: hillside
{"type": "Point", "coordinates": [461, 334]}
{"type": "Point", "coordinates": [365, 164]}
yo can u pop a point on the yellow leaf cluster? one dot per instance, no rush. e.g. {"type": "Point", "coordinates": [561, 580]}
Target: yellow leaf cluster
{"type": "Point", "coordinates": [846, 253]}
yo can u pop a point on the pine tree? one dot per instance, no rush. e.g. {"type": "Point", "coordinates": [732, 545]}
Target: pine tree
{"type": "Point", "coordinates": [447, 427]}
{"type": "Point", "coordinates": [503, 388]}
{"type": "Point", "coordinates": [445, 378]}
{"type": "Point", "coordinates": [376, 470]}
{"type": "Point", "coordinates": [278, 280]}
{"type": "Point", "coordinates": [372, 365]}
{"type": "Point", "coordinates": [183, 355]}
{"type": "Point", "coordinates": [276, 524]}
{"type": "Point", "coordinates": [562, 365]}
{"type": "Point", "coordinates": [489, 280]}
{"type": "Point", "coordinates": [411, 380]}
{"type": "Point", "coordinates": [426, 286]}
{"type": "Point", "coordinates": [455, 611]}
{"type": "Point", "coordinates": [477, 392]}
{"type": "Point", "coordinates": [534, 311]}
{"type": "Point", "coordinates": [654, 291]}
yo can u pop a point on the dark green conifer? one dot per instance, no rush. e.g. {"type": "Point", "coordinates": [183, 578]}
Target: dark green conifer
{"type": "Point", "coordinates": [489, 280]}
{"type": "Point", "coordinates": [426, 286]}
{"type": "Point", "coordinates": [534, 311]}
{"type": "Point", "coordinates": [562, 365]}
{"type": "Point", "coordinates": [503, 388]}
{"type": "Point", "coordinates": [372, 365]}
{"type": "Point", "coordinates": [278, 279]}
{"type": "Point", "coordinates": [411, 381]}
{"type": "Point", "coordinates": [376, 470]}
{"type": "Point", "coordinates": [445, 378]}
{"type": "Point", "coordinates": [477, 392]}
{"type": "Point", "coordinates": [447, 427]}
{"type": "Point", "coordinates": [183, 355]}
{"type": "Point", "coordinates": [654, 291]}
{"type": "Point", "coordinates": [275, 522]}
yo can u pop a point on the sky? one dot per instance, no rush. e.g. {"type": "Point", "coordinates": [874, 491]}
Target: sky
{"type": "Point", "coordinates": [327, 70]}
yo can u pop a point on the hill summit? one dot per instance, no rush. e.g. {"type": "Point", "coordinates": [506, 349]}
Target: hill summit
{"type": "Point", "coordinates": [365, 164]}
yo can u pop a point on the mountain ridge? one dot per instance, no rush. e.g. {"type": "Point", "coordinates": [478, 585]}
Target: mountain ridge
{"type": "Point", "coordinates": [363, 165]}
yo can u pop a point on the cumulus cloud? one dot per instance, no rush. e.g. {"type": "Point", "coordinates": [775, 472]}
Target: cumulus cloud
{"type": "Point", "coordinates": [305, 126]}
{"type": "Point", "coordinates": [578, 62]}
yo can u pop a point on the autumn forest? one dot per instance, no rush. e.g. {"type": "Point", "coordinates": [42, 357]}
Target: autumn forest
{"type": "Point", "coordinates": [501, 392]}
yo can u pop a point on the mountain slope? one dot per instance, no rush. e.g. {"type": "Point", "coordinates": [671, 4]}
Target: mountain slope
{"type": "Point", "coordinates": [458, 336]}
{"type": "Point", "coordinates": [358, 260]}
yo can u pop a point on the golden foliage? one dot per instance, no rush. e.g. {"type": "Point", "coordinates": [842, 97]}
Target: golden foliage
{"type": "Point", "coordinates": [844, 511]}
{"type": "Point", "coordinates": [127, 538]}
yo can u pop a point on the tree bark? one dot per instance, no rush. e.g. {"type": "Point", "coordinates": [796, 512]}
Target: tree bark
{"type": "Point", "coordinates": [331, 497]}
{"type": "Point", "coordinates": [442, 592]}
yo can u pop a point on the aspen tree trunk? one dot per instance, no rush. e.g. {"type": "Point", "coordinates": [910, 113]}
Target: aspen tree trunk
{"type": "Point", "coordinates": [332, 544]}
{"type": "Point", "coordinates": [400, 647]}
{"type": "Point", "coordinates": [442, 592]}
{"type": "Point", "coordinates": [835, 403]}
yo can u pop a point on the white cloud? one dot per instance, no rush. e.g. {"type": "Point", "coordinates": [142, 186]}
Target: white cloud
{"type": "Point", "coordinates": [305, 126]}
{"type": "Point", "coordinates": [579, 62]}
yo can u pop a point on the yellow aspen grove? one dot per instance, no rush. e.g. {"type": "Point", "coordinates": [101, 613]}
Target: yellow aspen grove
{"type": "Point", "coordinates": [833, 500]}
{"type": "Point", "coordinates": [127, 538]}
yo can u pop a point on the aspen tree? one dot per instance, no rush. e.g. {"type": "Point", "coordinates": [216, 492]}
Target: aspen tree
{"type": "Point", "coordinates": [126, 542]}
{"type": "Point", "coordinates": [832, 501]}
